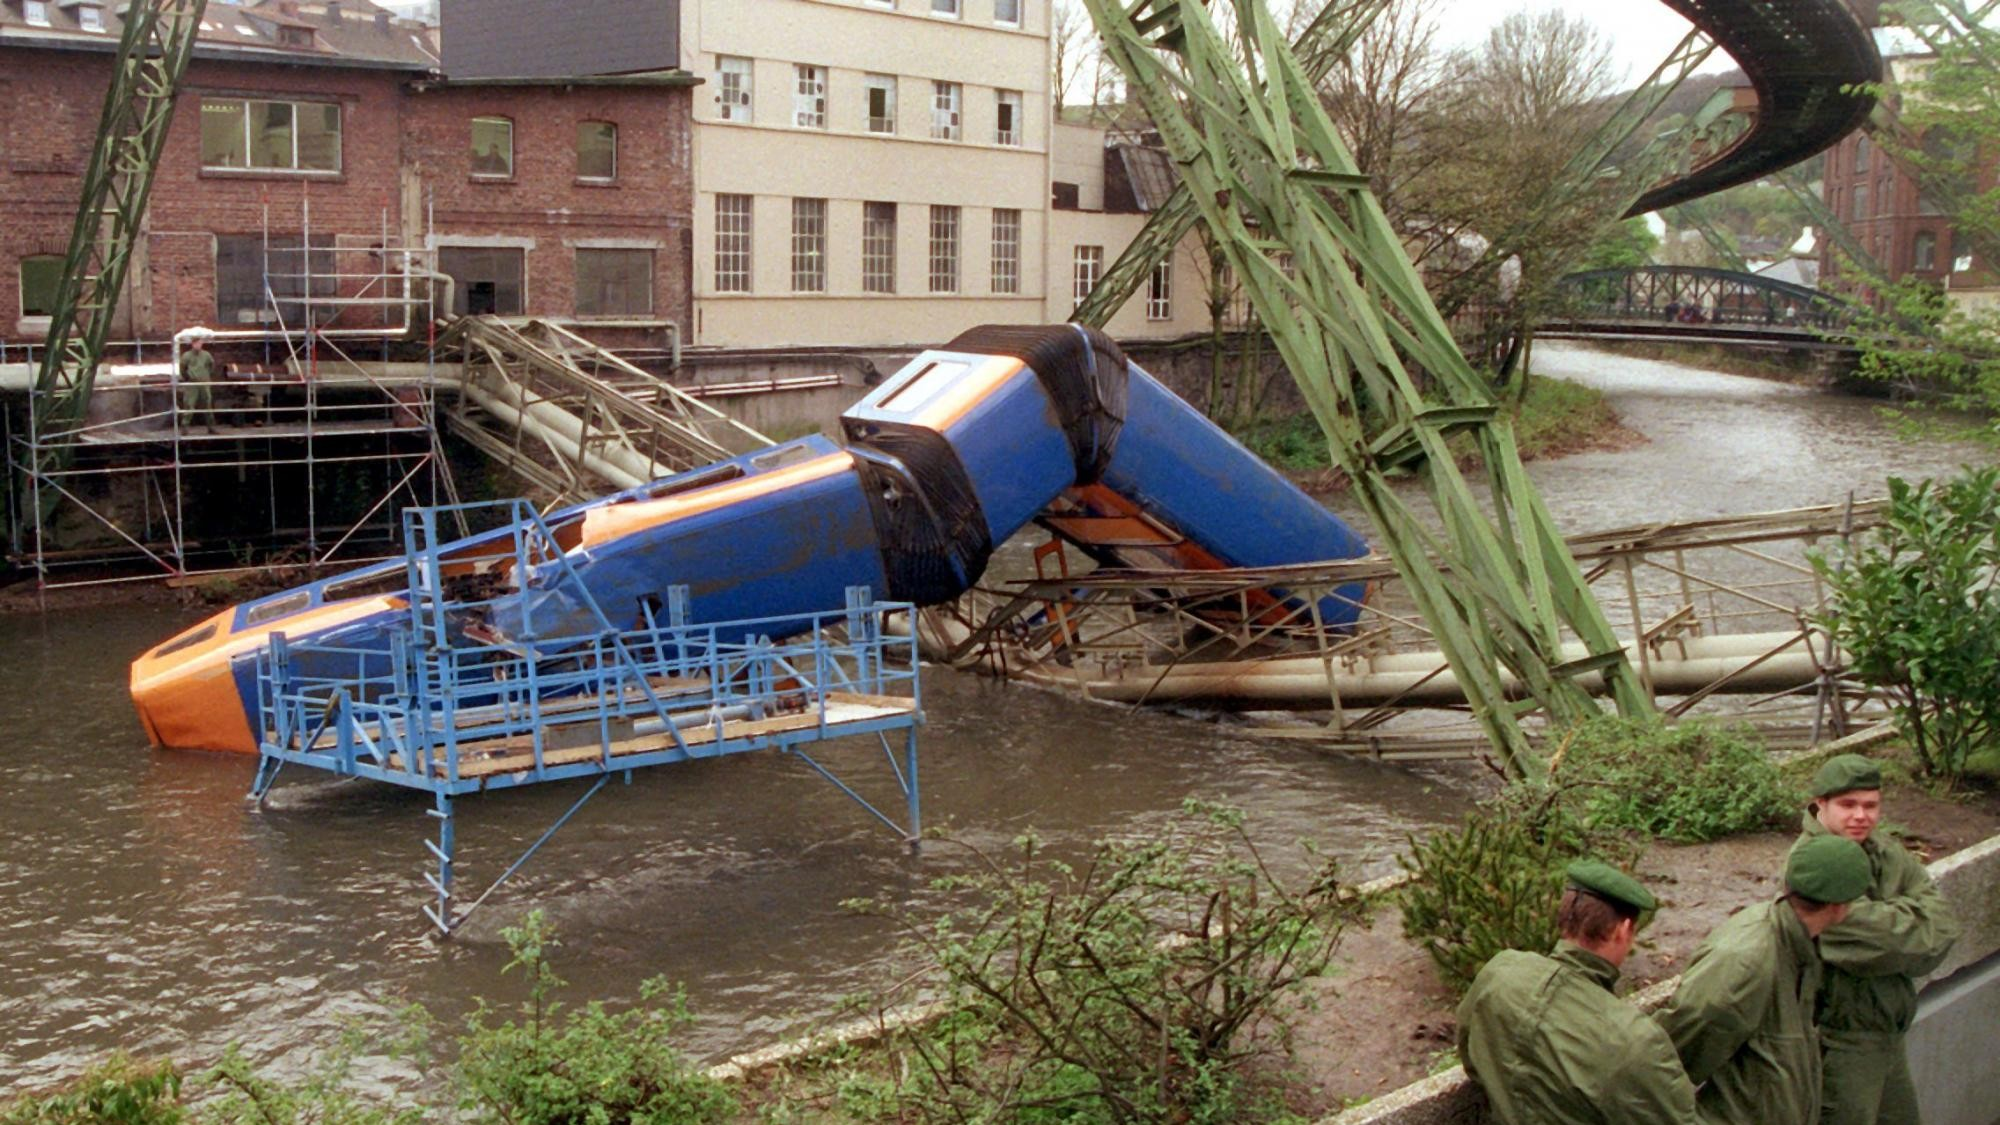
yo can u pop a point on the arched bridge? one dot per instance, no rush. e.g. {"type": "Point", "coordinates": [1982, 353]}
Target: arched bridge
{"type": "Point", "coordinates": [1696, 303]}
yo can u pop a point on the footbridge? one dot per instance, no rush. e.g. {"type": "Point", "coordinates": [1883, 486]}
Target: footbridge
{"type": "Point", "coordinates": [1696, 303]}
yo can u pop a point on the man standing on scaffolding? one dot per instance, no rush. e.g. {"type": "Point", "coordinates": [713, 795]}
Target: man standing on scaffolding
{"type": "Point", "coordinates": [197, 375]}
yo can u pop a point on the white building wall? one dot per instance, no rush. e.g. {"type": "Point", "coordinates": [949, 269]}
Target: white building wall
{"type": "Point", "coordinates": [771, 159]}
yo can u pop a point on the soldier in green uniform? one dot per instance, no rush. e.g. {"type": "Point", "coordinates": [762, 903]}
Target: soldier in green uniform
{"type": "Point", "coordinates": [1742, 1018]}
{"type": "Point", "coordinates": [1547, 1040]}
{"type": "Point", "coordinates": [1900, 929]}
{"type": "Point", "coordinates": [197, 372]}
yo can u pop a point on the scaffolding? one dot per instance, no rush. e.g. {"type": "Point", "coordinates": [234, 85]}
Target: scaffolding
{"type": "Point", "coordinates": [165, 478]}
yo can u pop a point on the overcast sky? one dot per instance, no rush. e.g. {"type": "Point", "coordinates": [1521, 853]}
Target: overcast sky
{"type": "Point", "coordinates": [1641, 31]}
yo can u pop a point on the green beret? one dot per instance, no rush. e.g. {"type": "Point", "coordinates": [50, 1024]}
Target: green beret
{"type": "Point", "coordinates": [1844, 773]}
{"type": "Point", "coordinates": [1828, 869]}
{"type": "Point", "coordinates": [1610, 884]}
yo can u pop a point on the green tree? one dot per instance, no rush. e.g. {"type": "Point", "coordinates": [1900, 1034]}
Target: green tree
{"type": "Point", "coordinates": [1625, 245]}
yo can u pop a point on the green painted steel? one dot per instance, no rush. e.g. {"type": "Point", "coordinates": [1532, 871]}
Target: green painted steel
{"type": "Point", "coordinates": [1328, 275]}
{"type": "Point", "coordinates": [153, 51]}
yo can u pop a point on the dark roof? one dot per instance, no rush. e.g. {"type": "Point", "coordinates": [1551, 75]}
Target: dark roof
{"type": "Point", "coordinates": [344, 33]}
{"type": "Point", "coordinates": [1137, 177]}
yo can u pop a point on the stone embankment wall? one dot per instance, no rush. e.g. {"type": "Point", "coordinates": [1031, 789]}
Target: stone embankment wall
{"type": "Point", "coordinates": [1951, 1050]}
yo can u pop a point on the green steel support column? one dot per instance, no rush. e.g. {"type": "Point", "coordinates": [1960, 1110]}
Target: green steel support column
{"type": "Point", "coordinates": [1324, 42]}
{"type": "Point", "coordinates": [1829, 224]}
{"type": "Point", "coordinates": [152, 55]}
{"type": "Point", "coordinates": [1269, 175]}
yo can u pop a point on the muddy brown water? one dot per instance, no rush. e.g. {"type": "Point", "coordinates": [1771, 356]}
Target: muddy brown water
{"type": "Point", "coordinates": [145, 905]}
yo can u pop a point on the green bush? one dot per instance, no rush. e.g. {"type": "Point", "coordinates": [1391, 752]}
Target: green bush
{"type": "Point", "coordinates": [1687, 782]}
{"type": "Point", "coordinates": [120, 1091]}
{"type": "Point", "coordinates": [1914, 606]}
{"type": "Point", "coordinates": [590, 1065]}
{"type": "Point", "coordinates": [1493, 883]}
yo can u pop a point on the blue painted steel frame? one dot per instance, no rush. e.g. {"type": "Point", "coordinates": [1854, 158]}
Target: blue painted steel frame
{"type": "Point", "coordinates": [419, 714]}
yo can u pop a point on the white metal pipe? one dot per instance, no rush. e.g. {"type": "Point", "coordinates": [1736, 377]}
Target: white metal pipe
{"type": "Point", "coordinates": [546, 421]}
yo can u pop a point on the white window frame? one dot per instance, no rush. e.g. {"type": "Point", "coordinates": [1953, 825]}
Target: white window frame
{"type": "Point", "coordinates": [878, 247]}
{"type": "Point", "coordinates": [947, 111]}
{"type": "Point", "coordinates": [947, 9]}
{"type": "Point", "coordinates": [1004, 21]}
{"type": "Point", "coordinates": [886, 83]}
{"type": "Point", "coordinates": [35, 12]}
{"type": "Point", "coordinates": [490, 120]}
{"type": "Point", "coordinates": [1160, 292]}
{"type": "Point", "coordinates": [582, 254]}
{"type": "Point", "coordinates": [90, 17]}
{"type": "Point", "coordinates": [293, 169]}
{"type": "Point", "coordinates": [1086, 266]}
{"type": "Point", "coordinates": [945, 225]}
{"type": "Point", "coordinates": [808, 96]}
{"type": "Point", "coordinates": [608, 179]}
{"type": "Point", "coordinates": [808, 245]}
{"type": "Point", "coordinates": [734, 87]}
{"type": "Point", "coordinates": [1006, 250]}
{"type": "Point", "coordinates": [1006, 100]}
{"type": "Point", "coordinates": [735, 237]}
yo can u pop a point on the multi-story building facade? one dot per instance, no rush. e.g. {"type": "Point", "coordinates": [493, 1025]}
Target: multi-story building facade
{"type": "Point", "coordinates": [329, 121]}
{"type": "Point", "coordinates": [1104, 190]}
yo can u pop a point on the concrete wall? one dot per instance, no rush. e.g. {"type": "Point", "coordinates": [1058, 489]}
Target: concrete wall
{"type": "Point", "coordinates": [1951, 1046]}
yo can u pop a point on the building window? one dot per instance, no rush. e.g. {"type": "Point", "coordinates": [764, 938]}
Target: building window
{"type": "Point", "coordinates": [878, 247]}
{"type": "Point", "coordinates": [487, 280]}
{"type": "Point", "coordinates": [1007, 129]}
{"type": "Point", "coordinates": [945, 8]}
{"type": "Point", "coordinates": [1860, 154]}
{"type": "Point", "coordinates": [596, 151]}
{"type": "Point", "coordinates": [492, 147]}
{"type": "Point", "coordinates": [1923, 251]}
{"type": "Point", "coordinates": [732, 244]}
{"type": "Point", "coordinates": [1961, 253]}
{"type": "Point", "coordinates": [947, 99]}
{"type": "Point", "coordinates": [1861, 210]}
{"type": "Point", "coordinates": [261, 280]}
{"type": "Point", "coordinates": [36, 12]}
{"type": "Point", "coordinates": [1160, 293]}
{"type": "Point", "coordinates": [1006, 250]}
{"type": "Point", "coordinates": [1007, 12]}
{"type": "Point", "coordinates": [808, 245]}
{"type": "Point", "coordinates": [614, 282]}
{"type": "Point", "coordinates": [241, 134]}
{"type": "Point", "coordinates": [944, 249]}
{"type": "Point", "coordinates": [90, 17]}
{"type": "Point", "coordinates": [732, 88]}
{"type": "Point", "coordinates": [41, 276]}
{"type": "Point", "coordinates": [881, 102]}
{"type": "Point", "coordinates": [1085, 268]}
{"type": "Point", "coordinates": [809, 97]}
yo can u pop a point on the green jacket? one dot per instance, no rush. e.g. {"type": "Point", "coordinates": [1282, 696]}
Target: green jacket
{"type": "Point", "coordinates": [1548, 1042]}
{"type": "Point", "coordinates": [1900, 930]}
{"type": "Point", "coordinates": [1742, 1020]}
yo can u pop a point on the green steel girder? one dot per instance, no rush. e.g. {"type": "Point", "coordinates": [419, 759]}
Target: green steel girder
{"type": "Point", "coordinates": [1323, 43]}
{"type": "Point", "coordinates": [1830, 224]}
{"type": "Point", "coordinates": [1265, 167]}
{"type": "Point", "coordinates": [153, 51]}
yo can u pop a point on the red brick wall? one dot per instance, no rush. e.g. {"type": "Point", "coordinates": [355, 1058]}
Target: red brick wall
{"type": "Point", "coordinates": [49, 104]}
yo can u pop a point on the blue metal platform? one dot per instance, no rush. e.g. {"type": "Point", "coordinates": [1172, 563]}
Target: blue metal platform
{"type": "Point", "coordinates": [452, 708]}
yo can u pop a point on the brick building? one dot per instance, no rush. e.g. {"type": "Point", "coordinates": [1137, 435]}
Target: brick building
{"type": "Point", "coordinates": [330, 121]}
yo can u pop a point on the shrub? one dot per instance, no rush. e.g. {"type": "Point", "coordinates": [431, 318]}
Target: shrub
{"type": "Point", "coordinates": [1914, 606]}
{"type": "Point", "coordinates": [1122, 989]}
{"type": "Point", "coordinates": [588, 1065]}
{"type": "Point", "coordinates": [1688, 782]}
{"type": "Point", "coordinates": [120, 1091]}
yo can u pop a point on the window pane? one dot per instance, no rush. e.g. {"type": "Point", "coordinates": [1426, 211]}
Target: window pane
{"type": "Point", "coordinates": [881, 102]}
{"type": "Point", "coordinates": [732, 244]}
{"type": "Point", "coordinates": [944, 249]}
{"type": "Point", "coordinates": [878, 247]}
{"type": "Point", "coordinates": [319, 137]}
{"type": "Point", "coordinates": [1007, 11]}
{"type": "Point", "coordinates": [809, 97]}
{"type": "Point", "coordinates": [488, 279]}
{"type": "Point", "coordinates": [596, 150]}
{"type": "Point", "coordinates": [1085, 268]}
{"type": "Point", "coordinates": [1006, 250]}
{"type": "Point", "coordinates": [271, 135]}
{"type": "Point", "coordinates": [40, 276]}
{"type": "Point", "coordinates": [732, 93]}
{"type": "Point", "coordinates": [222, 135]}
{"type": "Point", "coordinates": [1160, 293]}
{"type": "Point", "coordinates": [808, 245]}
{"type": "Point", "coordinates": [492, 146]}
{"type": "Point", "coordinates": [614, 282]}
{"type": "Point", "coordinates": [945, 104]}
{"type": "Point", "coordinates": [945, 7]}
{"type": "Point", "coordinates": [1008, 117]}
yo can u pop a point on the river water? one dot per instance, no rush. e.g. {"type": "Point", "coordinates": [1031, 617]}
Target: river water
{"type": "Point", "coordinates": [144, 904]}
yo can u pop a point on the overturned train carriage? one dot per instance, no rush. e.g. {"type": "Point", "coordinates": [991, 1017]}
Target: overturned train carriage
{"type": "Point", "coordinates": [946, 459]}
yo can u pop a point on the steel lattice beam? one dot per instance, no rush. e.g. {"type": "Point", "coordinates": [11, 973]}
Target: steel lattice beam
{"type": "Point", "coordinates": [1270, 176]}
{"type": "Point", "coordinates": [153, 52]}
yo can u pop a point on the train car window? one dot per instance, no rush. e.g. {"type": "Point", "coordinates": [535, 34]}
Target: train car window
{"type": "Point", "coordinates": [278, 607]}
{"type": "Point", "coordinates": [784, 455]}
{"type": "Point", "coordinates": [368, 585]}
{"type": "Point", "coordinates": [702, 480]}
{"type": "Point", "coordinates": [185, 640]}
{"type": "Point", "coordinates": [922, 387]}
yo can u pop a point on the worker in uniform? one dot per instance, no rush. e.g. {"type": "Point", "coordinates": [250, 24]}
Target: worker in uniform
{"type": "Point", "coordinates": [1545, 1037]}
{"type": "Point", "coordinates": [197, 375]}
{"type": "Point", "coordinates": [1900, 929]}
{"type": "Point", "coordinates": [1742, 1018]}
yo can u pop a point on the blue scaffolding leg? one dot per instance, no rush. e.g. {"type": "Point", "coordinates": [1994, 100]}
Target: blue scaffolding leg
{"type": "Point", "coordinates": [267, 775]}
{"type": "Point", "coordinates": [910, 789]}
{"type": "Point", "coordinates": [442, 851]}
{"type": "Point", "coordinates": [453, 923]}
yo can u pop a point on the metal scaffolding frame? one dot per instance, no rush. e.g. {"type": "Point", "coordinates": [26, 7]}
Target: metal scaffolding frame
{"type": "Point", "coordinates": [129, 465]}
